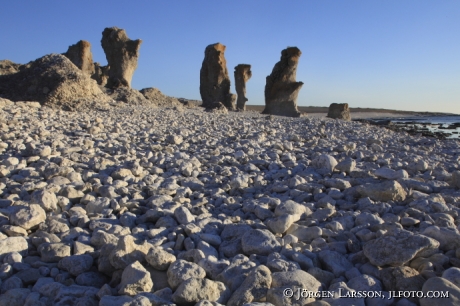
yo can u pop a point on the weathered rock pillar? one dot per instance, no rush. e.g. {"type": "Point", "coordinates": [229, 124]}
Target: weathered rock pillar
{"type": "Point", "coordinates": [80, 54]}
{"type": "Point", "coordinates": [242, 74]}
{"type": "Point", "coordinates": [281, 89]}
{"type": "Point", "coordinates": [214, 80]}
{"type": "Point", "coordinates": [339, 111]}
{"type": "Point", "coordinates": [122, 55]}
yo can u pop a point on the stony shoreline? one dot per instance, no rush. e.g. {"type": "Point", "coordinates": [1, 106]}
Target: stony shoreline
{"type": "Point", "coordinates": [133, 205]}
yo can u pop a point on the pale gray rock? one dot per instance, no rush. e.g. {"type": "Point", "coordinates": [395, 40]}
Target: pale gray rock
{"type": "Point", "coordinates": [183, 215]}
{"type": "Point", "coordinates": [304, 233]}
{"type": "Point", "coordinates": [13, 244]}
{"type": "Point", "coordinates": [213, 266]}
{"type": "Point", "coordinates": [47, 200]}
{"type": "Point", "coordinates": [391, 174]}
{"type": "Point", "coordinates": [93, 279]}
{"type": "Point", "coordinates": [128, 251]}
{"type": "Point", "coordinates": [365, 283]}
{"type": "Point", "coordinates": [182, 270]}
{"type": "Point", "coordinates": [297, 281]}
{"type": "Point", "coordinates": [440, 284]}
{"type": "Point", "coordinates": [298, 278]}
{"type": "Point", "coordinates": [347, 165]}
{"type": "Point", "coordinates": [279, 263]}
{"type": "Point", "coordinates": [401, 279]}
{"type": "Point", "coordinates": [123, 300]}
{"type": "Point", "coordinates": [76, 264]}
{"type": "Point", "coordinates": [385, 191]}
{"type": "Point", "coordinates": [397, 248]}
{"type": "Point", "coordinates": [254, 287]}
{"type": "Point", "coordinates": [334, 262]}
{"type": "Point", "coordinates": [453, 275]}
{"type": "Point", "coordinates": [194, 290]}
{"type": "Point", "coordinates": [280, 225]}
{"type": "Point", "coordinates": [28, 217]}
{"type": "Point", "coordinates": [98, 205]}
{"type": "Point", "coordinates": [135, 279]}
{"type": "Point", "coordinates": [324, 164]}
{"type": "Point", "coordinates": [343, 295]}
{"type": "Point", "coordinates": [54, 252]}
{"type": "Point", "coordinates": [234, 275]}
{"type": "Point", "coordinates": [160, 259]}
{"type": "Point", "coordinates": [448, 239]}
{"type": "Point", "coordinates": [290, 207]}
{"type": "Point", "coordinates": [261, 242]}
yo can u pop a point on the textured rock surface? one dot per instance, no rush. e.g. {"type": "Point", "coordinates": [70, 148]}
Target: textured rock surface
{"type": "Point", "coordinates": [214, 79]}
{"type": "Point", "coordinates": [396, 248]}
{"type": "Point", "coordinates": [242, 74]}
{"type": "Point", "coordinates": [157, 98]}
{"type": "Point", "coordinates": [254, 287]}
{"type": "Point", "coordinates": [178, 206]}
{"type": "Point", "coordinates": [8, 67]}
{"type": "Point", "coordinates": [135, 279]}
{"type": "Point", "coordinates": [339, 111]}
{"type": "Point", "coordinates": [440, 284]}
{"type": "Point", "coordinates": [80, 54]}
{"type": "Point", "coordinates": [282, 89]}
{"type": "Point", "coordinates": [54, 81]}
{"type": "Point", "coordinates": [122, 55]}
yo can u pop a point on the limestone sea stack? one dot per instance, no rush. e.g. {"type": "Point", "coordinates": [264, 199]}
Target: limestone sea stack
{"type": "Point", "coordinates": [80, 54]}
{"type": "Point", "coordinates": [339, 111]}
{"type": "Point", "coordinates": [101, 74]}
{"type": "Point", "coordinates": [281, 89]}
{"type": "Point", "coordinates": [242, 74]}
{"type": "Point", "coordinates": [122, 55]}
{"type": "Point", "coordinates": [214, 79]}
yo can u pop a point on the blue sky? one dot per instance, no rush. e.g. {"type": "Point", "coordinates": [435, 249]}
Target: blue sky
{"type": "Point", "coordinates": [367, 53]}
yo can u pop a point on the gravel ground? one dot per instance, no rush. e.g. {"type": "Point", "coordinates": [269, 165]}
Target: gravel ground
{"type": "Point", "coordinates": [153, 206]}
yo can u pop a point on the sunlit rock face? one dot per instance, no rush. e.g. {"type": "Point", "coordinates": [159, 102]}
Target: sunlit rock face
{"type": "Point", "coordinates": [122, 54]}
{"type": "Point", "coordinates": [80, 54]}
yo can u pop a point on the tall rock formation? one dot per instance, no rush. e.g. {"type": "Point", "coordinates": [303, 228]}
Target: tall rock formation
{"type": "Point", "coordinates": [339, 111]}
{"type": "Point", "coordinates": [214, 80]}
{"type": "Point", "coordinates": [122, 54]}
{"type": "Point", "coordinates": [281, 89]}
{"type": "Point", "coordinates": [80, 54]}
{"type": "Point", "coordinates": [242, 74]}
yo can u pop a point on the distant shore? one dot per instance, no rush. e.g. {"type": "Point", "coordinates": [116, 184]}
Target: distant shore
{"type": "Point", "coordinates": [358, 112]}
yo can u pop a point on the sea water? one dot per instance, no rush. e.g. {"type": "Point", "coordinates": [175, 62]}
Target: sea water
{"type": "Point", "coordinates": [438, 123]}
